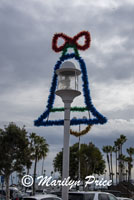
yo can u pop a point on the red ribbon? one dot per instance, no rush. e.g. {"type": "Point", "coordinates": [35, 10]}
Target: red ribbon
{"type": "Point", "coordinates": [73, 41]}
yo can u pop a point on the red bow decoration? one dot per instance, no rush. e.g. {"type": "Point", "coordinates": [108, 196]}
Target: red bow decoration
{"type": "Point", "coordinates": [72, 41]}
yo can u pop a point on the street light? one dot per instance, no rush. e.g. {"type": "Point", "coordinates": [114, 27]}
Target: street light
{"type": "Point", "coordinates": [67, 90]}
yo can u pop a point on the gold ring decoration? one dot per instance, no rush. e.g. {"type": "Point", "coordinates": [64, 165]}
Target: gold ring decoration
{"type": "Point", "coordinates": [80, 133]}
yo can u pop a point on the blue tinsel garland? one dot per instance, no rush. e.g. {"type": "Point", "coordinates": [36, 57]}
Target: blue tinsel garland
{"type": "Point", "coordinates": [99, 118]}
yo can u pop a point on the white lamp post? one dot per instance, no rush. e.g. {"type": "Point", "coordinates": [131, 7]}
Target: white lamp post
{"type": "Point", "coordinates": [67, 90]}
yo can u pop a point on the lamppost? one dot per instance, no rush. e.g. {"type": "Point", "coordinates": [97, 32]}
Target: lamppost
{"type": "Point", "coordinates": [67, 90]}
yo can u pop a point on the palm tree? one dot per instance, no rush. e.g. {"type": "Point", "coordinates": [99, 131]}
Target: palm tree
{"type": "Point", "coordinates": [116, 150]}
{"type": "Point", "coordinates": [122, 158]}
{"type": "Point", "coordinates": [39, 150]}
{"type": "Point", "coordinates": [130, 152]}
{"type": "Point", "coordinates": [121, 140]}
{"type": "Point", "coordinates": [111, 149]}
{"type": "Point", "coordinates": [107, 150]}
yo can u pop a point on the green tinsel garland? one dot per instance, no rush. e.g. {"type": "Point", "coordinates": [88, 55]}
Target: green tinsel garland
{"type": "Point", "coordinates": [73, 109]}
{"type": "Point", "coordinates": [67, 46]}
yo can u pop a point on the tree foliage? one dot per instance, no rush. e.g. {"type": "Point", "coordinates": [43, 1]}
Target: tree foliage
{"type": "Point", "coordinates": [129, 159]}
{"type": "Point", "coordinates": [14, 151]}
{"type": "Point", "coordinates": [108, 150]}
{"type": "Point", "coordinates": [91, 161]}
{"type": "Point", "coordinates": [74, 159]}
{"type": "Point", "coordinates": [39, 149]}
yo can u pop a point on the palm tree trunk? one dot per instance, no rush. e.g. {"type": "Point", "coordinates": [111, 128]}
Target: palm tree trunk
{"type": "Point", "coordinates": [108, 165]}
{"type": "Point", "coordinates": [27, 174]}
{"type": "Point", "coordinates": [27, 171]}
{"type": "Point", "coordinates": [129, 173]}
{"type": "Point", "coordinates": [116, 166]}
{"type": "Point", "coordinates": [34, 176]}
{"type": "Point", "coordinates": [111, 166]}
{"type": "Point", "coordinates": [120, 164]}
{"type": "Point", "coordinates": [42, 166]}
{"type": "Point", "coordinates": [129, 170]}
{"type": "Point", "coordinates": [7, 187]}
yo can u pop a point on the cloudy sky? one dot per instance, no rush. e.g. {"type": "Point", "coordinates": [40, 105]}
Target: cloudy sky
{"type": "Point", "coordinates": [27, 62]}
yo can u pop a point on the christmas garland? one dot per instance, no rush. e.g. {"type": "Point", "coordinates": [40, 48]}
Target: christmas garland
{"type": "Point", "coordinates": [80, 133]}
{"type": "Point", "coordinates": [73, 109]}
{"type": "Point", "coordinates": [70, 42]}
{"type": "Point", "coordinates": [67, 46]}
{"type": "Point", "coordinates": [99, 119]}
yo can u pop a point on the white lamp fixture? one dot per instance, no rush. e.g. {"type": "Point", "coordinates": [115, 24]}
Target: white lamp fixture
{"type": "Point", "coordinates": [67, 90]}
{"type": "Point", "coordinates": [68, 81]}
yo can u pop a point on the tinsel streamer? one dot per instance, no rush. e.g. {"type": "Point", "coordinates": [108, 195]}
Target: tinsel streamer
{"type": "Point", "coordinates": [67, 46]}
{"type": "Point", "coordinates": [73, 109]}
{"type": "Point", "coordinates": [72, 41]}
{"type": "Point", "coordinates": [80, 133]}
{"type": "Point", "coordinates": [99, 118]}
